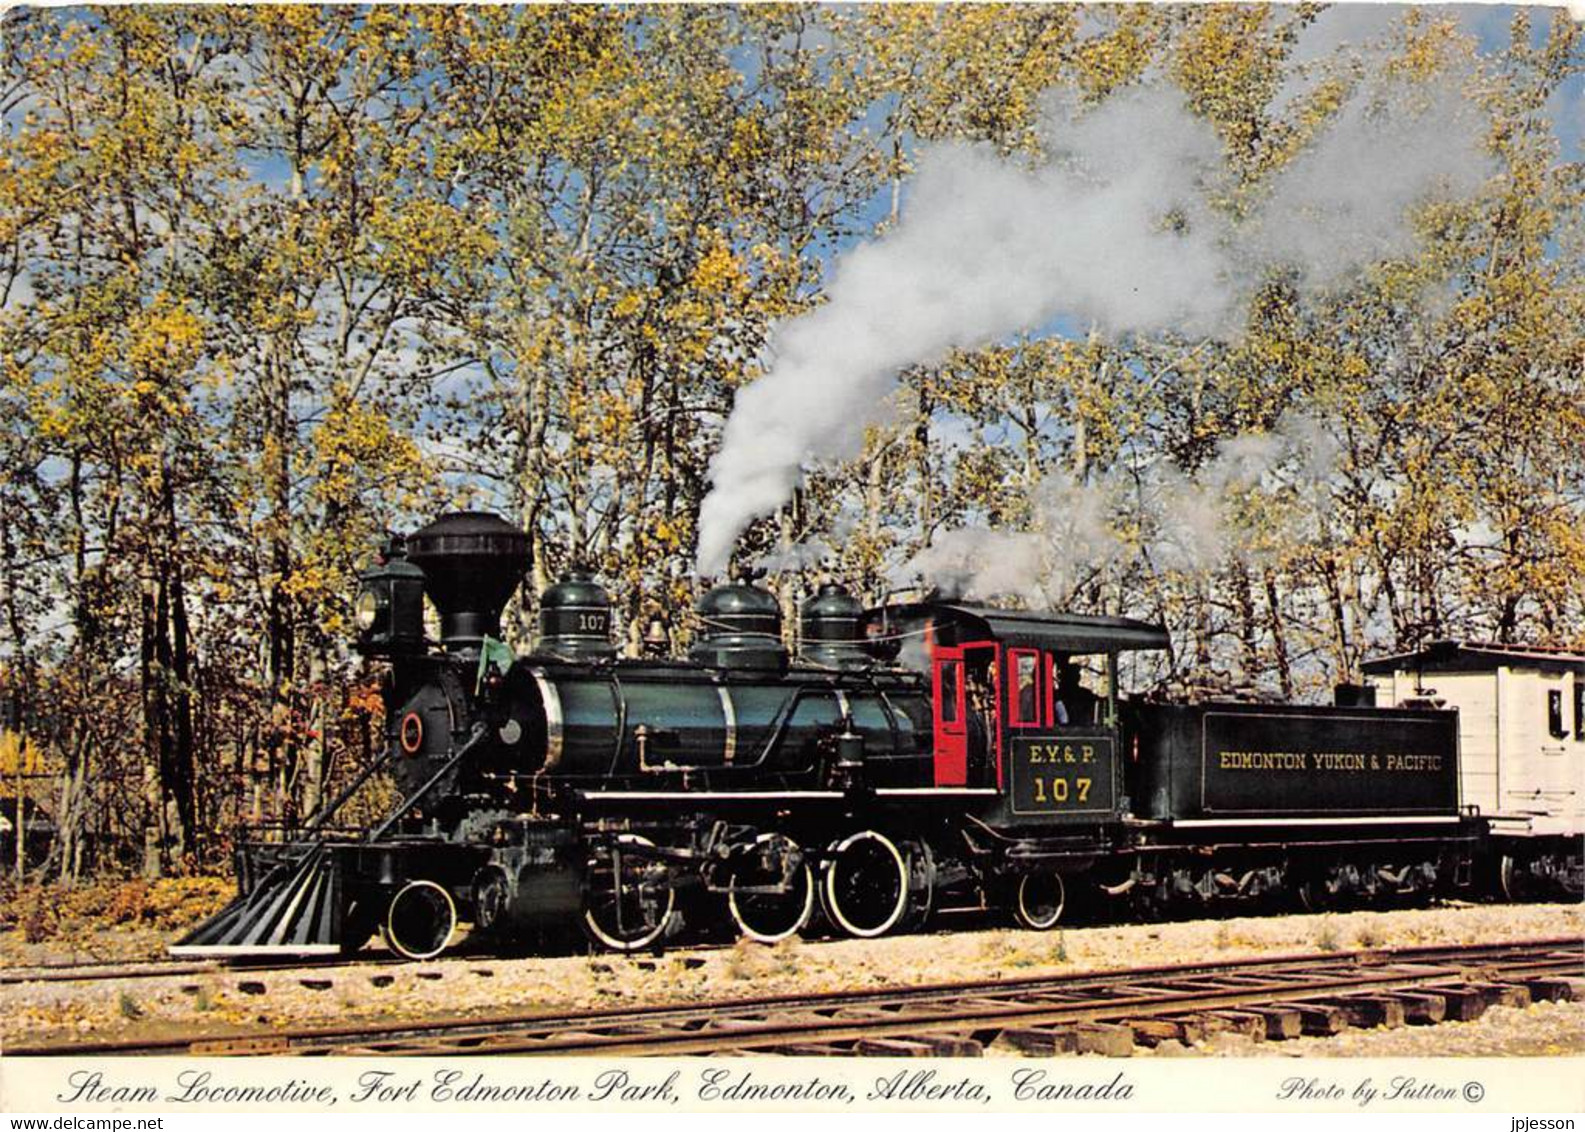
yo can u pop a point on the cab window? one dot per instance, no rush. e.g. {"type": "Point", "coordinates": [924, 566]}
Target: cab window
{"type": "Point", "coordinates": [948, 674]}
{"type": "Point", "coordinates": [1025, 696]}
{"type": "Point", "coordinates": [1073, 704]}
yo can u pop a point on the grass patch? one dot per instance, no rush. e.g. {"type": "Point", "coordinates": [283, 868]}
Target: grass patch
{"type": "Point", "coordinates": [747, 960]}
{"type": "Point", "coordinates": [43, 912]}
{"type": "Point", "coordinates": [788, 956]}
{"type": "Point", "coordinates": [1059, 948]}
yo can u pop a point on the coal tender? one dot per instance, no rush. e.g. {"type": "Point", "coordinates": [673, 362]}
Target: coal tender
{"type": "Point", "coordinates": [903, 762]}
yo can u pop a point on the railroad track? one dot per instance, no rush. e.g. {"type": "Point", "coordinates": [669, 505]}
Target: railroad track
{"type": "Point", "coordinates": [173, 968]}
{"type": "Point", "coordinates": [1272, 998]}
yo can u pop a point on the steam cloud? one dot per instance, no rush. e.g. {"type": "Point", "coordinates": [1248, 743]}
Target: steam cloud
{"type": "Point", "coordinates": [1113, 230]}
{"type": "Point", "coordinates": [1185, 520]}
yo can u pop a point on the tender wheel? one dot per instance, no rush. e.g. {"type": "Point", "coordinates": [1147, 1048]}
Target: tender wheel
{"type": "Point", "coordinates": [866, 885]}
{"type": "Point", "coordinates": [420, 920]}
{"type": "Point", "coordinates": [1312, 894]}
{"type": "Point", "coordinates": [1039, 900]}
{"type": "Point", "coordinates": [628, 900]}
{"type": "Point", "coordinates": [1513, 880]}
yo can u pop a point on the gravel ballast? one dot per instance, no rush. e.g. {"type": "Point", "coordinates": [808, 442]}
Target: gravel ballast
{"type": "Point", "coordinates": [225, 1000]}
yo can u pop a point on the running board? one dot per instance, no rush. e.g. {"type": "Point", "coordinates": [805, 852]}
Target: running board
{"type": "Point", "coordinates": [295, 910]}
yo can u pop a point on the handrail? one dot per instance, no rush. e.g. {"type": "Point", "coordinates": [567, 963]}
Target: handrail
{"type": "Point", "coordinates": [479, 732]}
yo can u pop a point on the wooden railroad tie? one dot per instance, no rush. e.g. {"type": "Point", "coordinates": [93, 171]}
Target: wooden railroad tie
{"type": "Point", "coordinates": [1366, 1011]}
{"type": "Point", "coordinates": [1321, 1019]}
{"type": "Point", "coordinates": [1556, 990]}
{"type": "Point", "coordinates": [1080, 1037]}
{"type": "Point", "coordinates": [891, 1047]}
{"type": "Point", "coordinates": [923, 1046]}
{"type": "Point", "coordinates": [1282, 1022]}
{"type": "Point", "coordinates": [1504, 994]}
{"type": "Point", "coordinates": [1152, 1032]}
{"type": "Point", "coordinates": [1463, 1004]}
{"type": "Point", "coordinates": [1245, 1024]}
{"type": "Point", "coordinates": [1420, 1009]}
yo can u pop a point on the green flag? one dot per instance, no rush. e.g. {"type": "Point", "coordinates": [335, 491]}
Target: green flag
{"type": "Point", "coordinates": [493, 653]}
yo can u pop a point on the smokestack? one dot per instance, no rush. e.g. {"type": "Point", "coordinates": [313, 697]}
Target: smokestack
{"type": "Point", "coordinates": [472, 561]}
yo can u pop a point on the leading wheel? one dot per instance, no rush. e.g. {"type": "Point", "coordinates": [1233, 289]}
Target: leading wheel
{"type": "Point", "coordinates": [628, 899]}
{"type": "Point", "coordinates": [358, 926]}
{"type": "Point", "coordinates": [1039, 900]}
{"type": "Point", "coordinates": [420, 920]}
{"type": "Point", "coordinates": [866, 884]}
{"type": "Point", "coordinates": [491, 900]}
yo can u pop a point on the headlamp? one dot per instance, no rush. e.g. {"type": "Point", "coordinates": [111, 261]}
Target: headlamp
{"type": "Point", "coordinates": [367, 610]}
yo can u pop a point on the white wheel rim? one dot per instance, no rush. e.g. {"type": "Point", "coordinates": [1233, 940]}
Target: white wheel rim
{"type": "Point", "coordinates": [396, 944]}
{"type": "Point", "coordinates": [776, 937]}
{"type": "Point", "coordinates": [1505, 874]}
{"type": "Point", "coordinates": [481, 883]}
{"type": "Point", "coordinates": [834, 907]}
{"type": "Point", "coordinates": [1029, 919]}
{"type": "Point", "coordinates": [637, 943]}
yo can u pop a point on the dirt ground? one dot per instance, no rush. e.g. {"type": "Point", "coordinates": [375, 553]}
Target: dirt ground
{"type": "Point", "coordinates": [226, 1000]}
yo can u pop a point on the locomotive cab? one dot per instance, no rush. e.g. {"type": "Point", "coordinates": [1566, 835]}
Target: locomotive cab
{"type": "Point", "coordinates": [1016, 712]}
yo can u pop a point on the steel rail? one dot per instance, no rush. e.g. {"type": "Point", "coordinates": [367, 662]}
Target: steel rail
{"type": "Point", "coordinates": [177, 968]}
{"type": "Point", "coordinates": [1161, 1002]}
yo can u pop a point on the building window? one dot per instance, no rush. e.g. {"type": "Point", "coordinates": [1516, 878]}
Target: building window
{"type": "Point", "coordinates": [1554, 713]}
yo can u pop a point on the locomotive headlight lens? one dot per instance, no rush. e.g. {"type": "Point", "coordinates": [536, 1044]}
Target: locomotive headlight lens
{"type": "Point", "coordinates": [367, 610]}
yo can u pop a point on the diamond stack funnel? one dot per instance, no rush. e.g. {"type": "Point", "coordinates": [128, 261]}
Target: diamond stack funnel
{"type": "Point", "coordinates": [472, 561]}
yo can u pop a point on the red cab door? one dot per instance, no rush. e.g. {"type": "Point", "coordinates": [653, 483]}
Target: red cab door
{"type": "Point", "coordinates": [951, 729]}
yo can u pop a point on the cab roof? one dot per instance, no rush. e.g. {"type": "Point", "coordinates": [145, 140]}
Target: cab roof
{"type": "Point", "coordinates": [1060, 632]}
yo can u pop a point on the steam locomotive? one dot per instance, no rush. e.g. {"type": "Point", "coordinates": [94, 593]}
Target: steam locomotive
{"type": "Point", "coordinates": [906, 761]}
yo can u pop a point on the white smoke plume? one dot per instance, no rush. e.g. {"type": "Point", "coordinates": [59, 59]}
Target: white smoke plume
{"type": "Point", "coordinates": [1076, 529]}
{"type": "Point", "coordinates": [1344, 202]}
{"type": "Point", "coordinates": [986, 247]}
{"type": "Point", "coordinates": [800, 556]}
{"type": "Point", "coordinates": [1071, 537]}
{"type": "Point", "coordinates": [1112, 230]}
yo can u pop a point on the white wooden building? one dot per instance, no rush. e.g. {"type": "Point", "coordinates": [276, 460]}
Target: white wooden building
{"type": "Point", "coordinates": [1521, 740]}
